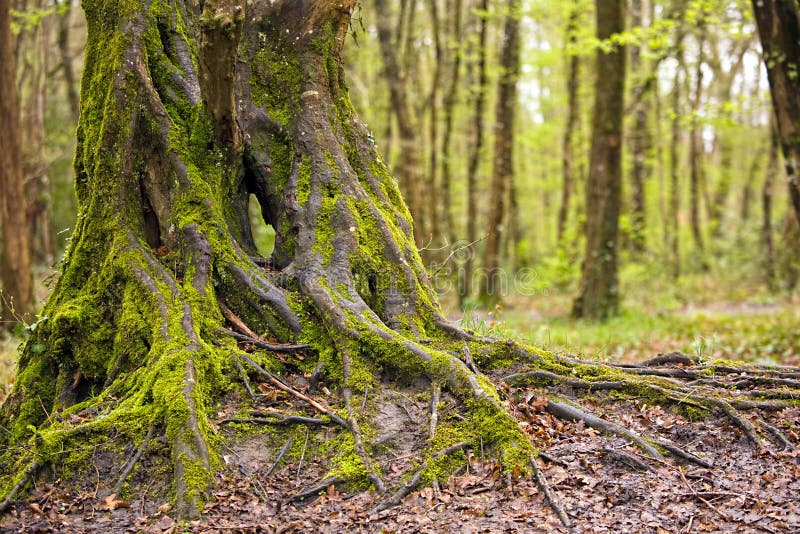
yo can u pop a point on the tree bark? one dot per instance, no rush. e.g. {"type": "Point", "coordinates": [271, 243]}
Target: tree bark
{"type": "Point", "coordinates": [434, 197]}
{"type": "Point", "coordinates": [503, 166]}
{"type": "Point", "coordinates": [598, 295]}
{"type": "Point", "coordinates": [16, 280]}
{"type": "Point", "coordinates": [779, 31]}
{"type": "Point", "coordinates": [696, 152]}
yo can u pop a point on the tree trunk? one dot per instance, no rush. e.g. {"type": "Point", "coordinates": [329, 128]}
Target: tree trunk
{"type": "Point", "coordinates": [673, 224]}
{"type": "Point", "coordinates": [573, 116]}
{"type": "Point", "coordinates": [64, 20]}
{"type": "Point", "coordinates": [16, 280]}
{"type": "Point", "coordinates": [503, 166]}
{"type": "Point", "coordinates": [476, 153]}
{"type": "Point", "coordinates": [598, 295]}
{"type": "Point", "coordinates": [640, 141]}
{"type": "Point", "coordinates": [185, 115]}
{"type": "Point", "coordinates": [772, 171]}
{"type": "Point", "coordinates": [433, 187]}
{"type": "Point", "coordinates": [32, 46]}
{"type": "Point", "coordinates": [449, 111]}
{"type": "Point", "coordinates": [697, 152]}
{"type": "Point", "coordinates": [779, 31]}
{"type": "Point", "coordinates": [407, 168]}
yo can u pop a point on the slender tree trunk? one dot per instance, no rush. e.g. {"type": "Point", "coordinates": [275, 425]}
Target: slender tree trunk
{"type": "Point", "coordinates": [407, 168]}
{"type": "Point", "coordinates": [465, 285]}
{"type": "Point", "coordinates": [64, 20]}
{"type": "Point", "coordinates": [779, 31]}
{"type": "Point", "coordinates": [640, 141]}
{"type": "Point", "coordinates": [32, 45]}
{"type": "Point", "coordinates": [433, 193]}
{"type": "Point", "coordinates": [449, 110]}
{"type": "Point", "coordinates": [673, 224]}
{"type": "Point", "coordinates": [573, 116]}
{"type": "Point", "coordinates": [598, 296]}
{"type": "Point", "coordinates": [697, 151]}
{"type": "Point", "coordinates": [16, 280]}
{"type": "Point", "coordinates": [503, 163]}
{"type": "Point", "coordinates": [773, 168]}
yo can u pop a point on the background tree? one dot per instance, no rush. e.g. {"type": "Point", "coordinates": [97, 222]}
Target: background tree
{"type": "Point", "coordinates": [502, 164]}
{"type": "Point", "coordinates": [598, 295]}
{"type": "Point", "coordinates": [779, 30]}
{"type": "Point", "coordinates": [15, 269]}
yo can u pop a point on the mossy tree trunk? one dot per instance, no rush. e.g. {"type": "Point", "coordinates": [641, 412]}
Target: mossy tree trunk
{"type": "Point", "coordinates": [185, 114]}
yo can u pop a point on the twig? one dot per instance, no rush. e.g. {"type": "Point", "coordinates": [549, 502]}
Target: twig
{"type": "Point", "coordinates": [126, 470]}
{"type": "Point", "coordinates": [284, 387]}
{"type": "Point", "coordinates": [315, 490]}
{"type": "Point", "coordinates": [550, 497]}
{"type": "Point", "coordinates": [245, 380]}
{"type": "Point", "coordinates": [698, 496]}
{"type": "Point", "coordinates": [283, 451]}
{"type": "Point", "coordinates": [235, 321]}
{"type": "Point", "coordinates": [409, 486]}
{"type": "Point", "coordinates": [468, 359]}
{"type": "Point", "coordinates": [282, 421]}
{"type": "Point", "coordinates": [19, 485]}
{"type": "Point", "coordinates": [434, 409]}
{"type": "Point", "coordinates": [274, 347]}
{"type": "Point", "coordinates": [303, 454]}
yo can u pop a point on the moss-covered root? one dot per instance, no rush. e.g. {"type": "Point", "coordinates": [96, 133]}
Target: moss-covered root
{"type": "Point", "coordinates": [698, 388]}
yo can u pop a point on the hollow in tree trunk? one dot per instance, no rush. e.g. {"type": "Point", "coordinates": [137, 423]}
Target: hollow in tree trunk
{"type": "Point", "coordinates": [165, 315]}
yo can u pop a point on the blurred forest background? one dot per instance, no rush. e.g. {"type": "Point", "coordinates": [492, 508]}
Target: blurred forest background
{"type": "Point", "coordinates": [484, 111]}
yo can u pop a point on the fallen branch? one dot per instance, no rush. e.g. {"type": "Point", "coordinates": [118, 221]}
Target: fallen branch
{"type": "Point", "coordinates": [281, 453]}
{"type": "Point", "coordinates": [288, 389]}
{"type": "Point", "coordinates": [409, 486]}
{"type": "Point", "coordinates": [549, 496]}
{"type": "Point", "coordinates": [274, 347]}
{"type": "Point", "coordinates": [19, 485]}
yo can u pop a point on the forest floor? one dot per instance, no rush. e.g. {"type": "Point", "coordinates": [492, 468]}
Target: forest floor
{"type": "Point", "coordinates": [603, 483]}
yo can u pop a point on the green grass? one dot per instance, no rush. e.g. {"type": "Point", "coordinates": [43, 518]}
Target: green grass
{"type": "Point", "coordinates": [710, 315]}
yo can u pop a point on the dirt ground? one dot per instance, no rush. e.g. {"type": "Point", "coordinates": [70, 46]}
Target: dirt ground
{"type": "Point", "coordinates": [603, 483]}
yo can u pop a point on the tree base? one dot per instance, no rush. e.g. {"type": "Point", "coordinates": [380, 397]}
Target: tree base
{"type": "Point", "coordinates": [395, 437]}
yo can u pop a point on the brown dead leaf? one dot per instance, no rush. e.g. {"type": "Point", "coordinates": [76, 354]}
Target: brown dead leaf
{"type": "Point", "coordinates": [112, 503]}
